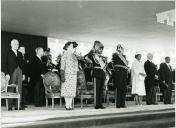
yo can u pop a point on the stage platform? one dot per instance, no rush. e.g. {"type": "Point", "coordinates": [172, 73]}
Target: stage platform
{"type": "Point", "coordinates": [35, 117]}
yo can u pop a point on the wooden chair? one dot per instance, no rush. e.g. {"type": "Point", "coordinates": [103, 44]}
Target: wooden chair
{"type": "Point", "coordinates": [110, 94]}
{"type": "Point", "coordinates": [128, 93]}
{"type": "Point", "coordinates": [173, 94]}
{"type": "Point", "coordinates": [51, 80]}
{"type": "Point", "coordinates": [87, 94]}
{"type": "Point", "coordinates": [158, 94]}
{"type": "Point", "coordinates": [8, 95]}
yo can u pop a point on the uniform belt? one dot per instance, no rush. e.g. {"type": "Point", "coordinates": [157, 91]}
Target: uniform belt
{"type": "Point", "coordinates": [120, 66]}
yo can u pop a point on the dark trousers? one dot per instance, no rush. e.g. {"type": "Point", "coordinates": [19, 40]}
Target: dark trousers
{"type": "Point", "coordinates": [24, 93]}
{"type": "Point", "coordinates": [120, 84]}
{"type": "Point", "coordinates": [16, 78]}
{"type": "Point", "coordinates": [151, 95]}
{"type": "Point", "coordinates": [167, 94]}
{"type": "Point", "coordinates": [99, 85]}
{"type": "Point", "coordinates": [39, 94]}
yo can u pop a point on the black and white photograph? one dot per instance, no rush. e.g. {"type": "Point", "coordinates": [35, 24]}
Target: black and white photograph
{"type": "Point", "coordinates": [88, 64]}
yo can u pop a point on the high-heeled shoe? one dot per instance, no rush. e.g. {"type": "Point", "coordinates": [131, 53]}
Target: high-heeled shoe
{"type": "Point", "coordinates": [71, 108]}
{"type": "Point", "coordinates": [67, 108]}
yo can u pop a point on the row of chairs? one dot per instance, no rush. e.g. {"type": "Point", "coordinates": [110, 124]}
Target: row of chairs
{"type": "Point", "coordinates": [84, 95]}
{"type": "Point", "coordinates": [109, 94]}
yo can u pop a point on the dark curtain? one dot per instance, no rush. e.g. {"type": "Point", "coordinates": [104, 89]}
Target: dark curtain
{"type": "Point", "coordinates": [29, 41]}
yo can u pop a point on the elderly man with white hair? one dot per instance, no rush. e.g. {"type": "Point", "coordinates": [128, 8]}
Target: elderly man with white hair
{"type": "Point", "coordinates": [13, 70]}
{"type": "Point", "coordinates": [150, 80]}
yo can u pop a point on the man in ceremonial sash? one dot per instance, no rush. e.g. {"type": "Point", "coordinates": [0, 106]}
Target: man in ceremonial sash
{"type": "Point", "coordinates": [120, 75]}
{"type": "Point", "coordinates": [98, 73]}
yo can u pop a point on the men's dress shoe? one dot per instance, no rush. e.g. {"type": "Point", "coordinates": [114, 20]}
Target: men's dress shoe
{"type": "Point", "coordinates": [22, 108]}
{"type": "Point", "coordinates": [102, 107]}
{"type": "Point", "coordinates": [148, 103]}
{"type": "Point", "coordinates": [9, 109]}
{"type": "Point", "coordinates": [123, 106]}
{"type": "Point", "coordinates": [117, 106]}
{"type": "Point", "coordinates": [96, 107]}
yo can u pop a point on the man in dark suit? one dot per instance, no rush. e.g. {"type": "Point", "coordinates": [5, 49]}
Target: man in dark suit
{"type": "Point", "coordinates": [120, 75]}
{"type": "Point", "coordinates": [95, 57]}
{"type": "Point", "coordinates": [37, 69]}
{"type": "Point", "coordinates": [25, 75]}
{"type": "Point", "coordinates": [166, 80]}
{"type": "Point", "coordinates": [13, 71]}
{"type": "Point", "coordinates": [150, 80]}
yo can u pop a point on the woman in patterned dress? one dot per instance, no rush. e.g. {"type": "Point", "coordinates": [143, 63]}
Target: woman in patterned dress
{"type": "Point", "coordinates": [69, 68]}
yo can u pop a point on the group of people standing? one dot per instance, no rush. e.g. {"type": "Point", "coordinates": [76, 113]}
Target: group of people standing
{"type": "Point", "coordinates": [18, 72]}
{"type": "Point", "coordinates": [144, 76]}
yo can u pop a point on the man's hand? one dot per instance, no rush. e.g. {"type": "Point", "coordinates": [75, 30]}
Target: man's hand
{"type": "Point", "coordinates": [7, 77]}
{"type": "Point", "coordinates": [29, 79]}
{"type": "Point", "coordinates": [156, 77]}
{"type": "Point", "coordinates": [23, 77]}
{"type": "Point", "coordinates": [88, 60]}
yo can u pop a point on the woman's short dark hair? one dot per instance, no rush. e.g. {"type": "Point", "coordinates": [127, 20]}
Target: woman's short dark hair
{"type": "Point", "coordinates": [69, 43]}
{"type": "Point", "coordinates": [136, 56]}
{"type": "Point", "coordinates": [167, 57]}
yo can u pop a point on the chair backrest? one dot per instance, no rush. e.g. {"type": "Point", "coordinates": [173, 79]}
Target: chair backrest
{"type": "Point", "coordinates": [4, 83]}
{"type": "Point", "coordinates": [81, 81]}
{"type": "Point", "coordinates": [51, 82]}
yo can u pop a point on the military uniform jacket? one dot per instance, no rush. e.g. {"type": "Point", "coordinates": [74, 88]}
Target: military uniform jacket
{"type": "Point", "coordinates": [97, 71]}
{"type": "Point", "coordinates": [116, 60]}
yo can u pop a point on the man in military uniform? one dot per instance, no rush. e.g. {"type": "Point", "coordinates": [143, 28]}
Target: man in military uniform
{"type": "Point", "coordinates": [98, 72]}
{"type": "Point", "coordinates": [120, 75]}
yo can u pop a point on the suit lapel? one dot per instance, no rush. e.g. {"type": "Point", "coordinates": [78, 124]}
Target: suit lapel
{"type": "Point", "coordinates": [169, 68]}
{"type": "Point", "coordinates": [13, 54]}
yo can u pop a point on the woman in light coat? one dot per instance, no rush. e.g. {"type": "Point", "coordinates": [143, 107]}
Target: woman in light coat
{"type": "Point", "coordinates": [69, 69]}
{"type": "Point", "coordinates": [138, 76]}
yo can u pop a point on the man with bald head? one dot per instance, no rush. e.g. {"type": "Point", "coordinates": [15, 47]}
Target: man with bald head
{"type": "Point", "coordinates": [150, 80]}
{"type": "Point", "coordinates": [13, 70]}
{"type": "Point", "coordinates": [37, 69]}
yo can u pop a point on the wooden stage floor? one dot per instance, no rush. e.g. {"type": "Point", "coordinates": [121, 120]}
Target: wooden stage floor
{"type": "Point", "coordinates": [33, 114]}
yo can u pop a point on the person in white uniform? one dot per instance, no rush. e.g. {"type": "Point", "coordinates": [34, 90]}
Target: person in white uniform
{"type": "Point", "coordinates": [138, 76]}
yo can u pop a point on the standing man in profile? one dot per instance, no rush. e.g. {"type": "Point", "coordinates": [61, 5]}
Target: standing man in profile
{"type": "Point", "coordinates": [14, 72]}
{"type": "Point", "coordinates": [37, 70]}
{"type": "Point", "coordinates": [150, 80]}
{"type": "Point", "coordinates": [120, 65]}
{"type": "Point", "coordinates": [165, 73]}
{"type": "Point", "coordinates": [98, 62]}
